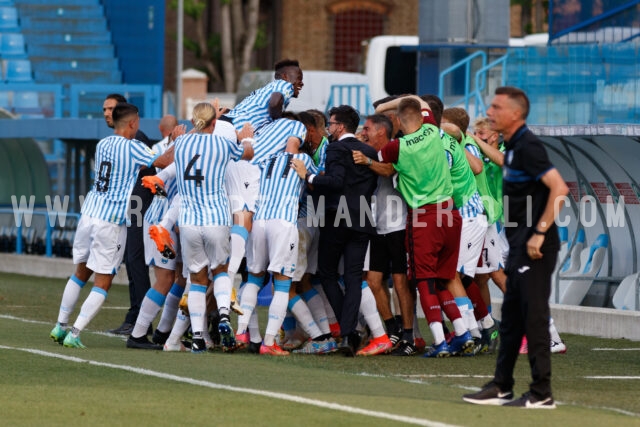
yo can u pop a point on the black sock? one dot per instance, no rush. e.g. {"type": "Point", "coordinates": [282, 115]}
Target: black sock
{"type": "Point", "coordinates": [407, 335]}
{"type": "Point", "coordinates": [391, 325]}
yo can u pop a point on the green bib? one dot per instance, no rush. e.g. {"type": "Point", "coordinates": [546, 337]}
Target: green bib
{"type": "Point", "coordinates": [423, 172]}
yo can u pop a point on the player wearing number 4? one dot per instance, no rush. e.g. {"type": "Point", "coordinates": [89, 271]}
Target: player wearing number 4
{"type": "Point", "coordinates": [201, 161]}
{"type": "Point", "coordinates": [101, 233]}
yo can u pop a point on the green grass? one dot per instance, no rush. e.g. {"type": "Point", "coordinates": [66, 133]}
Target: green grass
{"type": "Point", "coordinates": [36, 389]}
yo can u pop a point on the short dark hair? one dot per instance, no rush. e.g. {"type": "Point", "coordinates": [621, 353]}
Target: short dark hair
{"type": "Point", "coordinates": [458, 116]}
{"type": "Point", "coordinates": [307, 119]}
{"type": "Point", "coordinates": [117, 97]}
{"type": "Point", "coordinates": [281, 67]}
{"type": "Point", "coordinates": [122, 111]}
{"type": "Point", "coordinates": [321, 118]}
{"type": "Point", "coordinates": [384, 121]}
{"type": "Point", "coordinates": [409, 108]}
{"type": "Point", "coordinates": [346, 115]}
{"type": "Point", "coordinates": [290, 115]}
{"type": "Point", "coordinates": [518, 96]}
{"type": "Point", "coordinates": [435, 104]}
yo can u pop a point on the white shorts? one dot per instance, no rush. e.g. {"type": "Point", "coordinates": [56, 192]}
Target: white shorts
{"type": "Point", "coordinates": [99, 244]}
{"type": "Point", "coordinates": [204, 246]}
{"type": "Point", "coordinates": [151, 254]}
{"type": "Point", "coordinates": [491, 258]}
{"type": "Point", "coordinates": [308, 238]}
{"type": "Point", "coordinates": [471, 240]}
{"type": "Point", "coordinates": [243, 185]}
{"type": "Point", "coordinates": [272, 246]}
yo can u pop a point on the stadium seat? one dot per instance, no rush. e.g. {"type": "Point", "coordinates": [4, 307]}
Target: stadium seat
{"type": "Point", "coordinates": [8, 19]}
{"type": "Point", "coordinates": [573, 291]}
{"type": "Point", "coordinates": [27, 104]}
{"type": "Point", "coordinates": [12, 45]}
{"type": "Point", "coordinates": [5, 100]}
{"type": "Point", "coordinates": [573, 263]}
{"type": "Point", "coordinates": [625, 296]}
{"type": "Point", "coordinates": [17, 70]}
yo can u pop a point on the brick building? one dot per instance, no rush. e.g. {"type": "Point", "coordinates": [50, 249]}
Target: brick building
{"type": "Point", "coordinates": [321, 34]}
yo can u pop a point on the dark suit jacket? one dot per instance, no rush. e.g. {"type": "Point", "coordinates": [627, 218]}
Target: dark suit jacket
{"type": "Point", "coordinates": [343, 178]}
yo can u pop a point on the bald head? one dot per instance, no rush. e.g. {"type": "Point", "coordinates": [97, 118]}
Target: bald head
{"type": "Point", "coordinates": [167, 124]}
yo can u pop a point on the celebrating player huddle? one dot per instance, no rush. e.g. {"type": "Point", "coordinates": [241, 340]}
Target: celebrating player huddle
{"type": "Point", "coordinates": [311, 215]}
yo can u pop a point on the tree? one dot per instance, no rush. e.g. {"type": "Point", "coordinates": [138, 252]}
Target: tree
{"type": "Point", "coordinates": [226, 55]}
{"type": "Point", "coordinates": [532, 15]}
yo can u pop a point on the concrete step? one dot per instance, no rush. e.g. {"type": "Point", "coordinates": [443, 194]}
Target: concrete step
{"type": "Point", "coordinates": [71, 25]}
{"type": "Point", "coordinates": [71, 51]}
{"type": "Point", "coordinates": [79, 76]}
{"type": "Point", "coordinates": [60, 11]}
{"type": "Point", "coordinates": [39, 36]}
{"type": "Point", "coordinates": [54, 64]}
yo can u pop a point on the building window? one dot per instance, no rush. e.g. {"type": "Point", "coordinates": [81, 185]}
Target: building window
{"type": "Point", "coordinates": [351, 28]}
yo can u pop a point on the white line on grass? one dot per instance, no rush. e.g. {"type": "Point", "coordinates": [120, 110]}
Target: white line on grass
{"type": "Point", "coordinates": [40, 322]}
{"type": "Point", "coordinates": [264, 393]}
{"type": "Point", "coordinates": [612, 377]}
{"type": "Point", "coordinates": [616, 349]}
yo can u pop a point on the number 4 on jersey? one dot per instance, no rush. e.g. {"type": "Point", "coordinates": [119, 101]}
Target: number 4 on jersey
{"type": "Point", "coordinates": [197, 177]}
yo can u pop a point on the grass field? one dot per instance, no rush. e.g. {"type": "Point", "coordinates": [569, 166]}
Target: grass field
{"type": "Point", "coordinates": [43, 383]}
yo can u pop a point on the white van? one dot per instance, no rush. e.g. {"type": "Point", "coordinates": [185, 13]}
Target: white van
{"type": "Point", "coordinates": [315, 93]}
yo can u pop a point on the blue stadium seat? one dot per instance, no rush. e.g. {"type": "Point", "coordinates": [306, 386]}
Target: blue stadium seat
{"type": "Point", "coordinates": [9, 19]}
{"type": "Point", "coordinates": [17, 70]}
{"type": "Point", "coordinates": [12, 45]}
{"type": "Point", "coordinates": [5, 101]}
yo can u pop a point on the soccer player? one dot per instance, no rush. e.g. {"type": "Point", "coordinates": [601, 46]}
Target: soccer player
{"type": "Point", "coordinates": [101, 232]}
{"type": "Point", "coordinates": [387, 253]}
{"type": "Point", "coordinates": [170, 282]}
{"type": "Point", "coordinates": [263, 106]}
{"type": "Point", "coordinates": [273, 244]}
{"type": "Point", "coordinates": [433, 232]}
{"type": "Point", "coordinates": [201, 160]}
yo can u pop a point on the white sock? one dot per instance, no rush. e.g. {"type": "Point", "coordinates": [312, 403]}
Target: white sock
{"type": "Point", "coordinates": [316, 306]}
{"type": "Point", "coordinates": [239, 236]}
{"type": "Point", "coordinates": [254, 328]}
{"type": "Point", "coordinates": [459, 326]}
{"type": "Point", "coordinates": [303, 315]}
{"type": "Point", "coordinates": [170, 308]}
{"type": "Point", "coordinates": [90, 307]}
{"type": "Point", "coordinates": [555, 336]}
{"type": "Point", "coordinates": [486, 322]}
{"type": "Point", "coordinates": [197, 302]}
{"type": "Point", "coordinates": [277, 311]}
{"type": "Point", "coordinates": [222, 291]}
{"type": "Point", "coordinates": [331, 316]}
{"type": "Point", "coordinates": [180, 326]}
{"type": "Point", "coordinates": [69, 299]}
{"type": "Point", "coordinates": [370, 313]}
{"type": "Point", "coordinates": [466, 312]}
{"type": "Point", "coordinates": [248, 301]}
{"type": "Point", "coordinates": [149, 309]}
{"type": "Point", "coordinates": [437, 332]}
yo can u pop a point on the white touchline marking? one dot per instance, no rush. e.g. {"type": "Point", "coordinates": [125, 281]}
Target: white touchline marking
{"type": "Point", "coordinates": [264, 393]}
{"type": "Point", "coordinates": [40, 322]}
{"type": "Point", "coordinates": [616, 349]}
{"type": "Point", "coordinates": [612, 377]}
{"type": "Point", "coordinates": [444, 376]}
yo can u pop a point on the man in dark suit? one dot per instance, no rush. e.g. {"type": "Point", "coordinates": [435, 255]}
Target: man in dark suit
{"type": "Point", "coordinates": [346, 189]}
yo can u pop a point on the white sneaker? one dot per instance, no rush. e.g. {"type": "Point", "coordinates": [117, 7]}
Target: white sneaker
{"type": "Point", "coordinates": [173, 347]}
{"type": "Point", "coordinates": [558, 347]}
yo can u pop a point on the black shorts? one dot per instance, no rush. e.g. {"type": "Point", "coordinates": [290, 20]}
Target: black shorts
{"type": "Point", "coordinates": [387, 253]}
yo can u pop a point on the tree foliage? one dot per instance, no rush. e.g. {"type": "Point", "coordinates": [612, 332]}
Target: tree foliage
{"type": "Point", "coordinates": [224, 55]}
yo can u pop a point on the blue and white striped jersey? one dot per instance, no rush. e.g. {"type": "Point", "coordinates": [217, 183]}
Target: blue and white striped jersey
{"type": "Point", "coordinates": [272, 138]}
{"type": "Point", "coordinates": [280, 187]}
{"type": "Point", "coordinates": [201, 163]}
{"type": "Point", "coordinates": [160, 204]}
{"type": "Point", "coordinates": [254, 108]}
{"type": "Point", "coordinates": [117, 163]}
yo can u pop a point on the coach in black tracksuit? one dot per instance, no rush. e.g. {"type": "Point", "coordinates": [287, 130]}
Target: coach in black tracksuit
{"type": "Point", "coordinates": [533, 250]}
{"type": "Point", "coordinates": [354, 185]}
